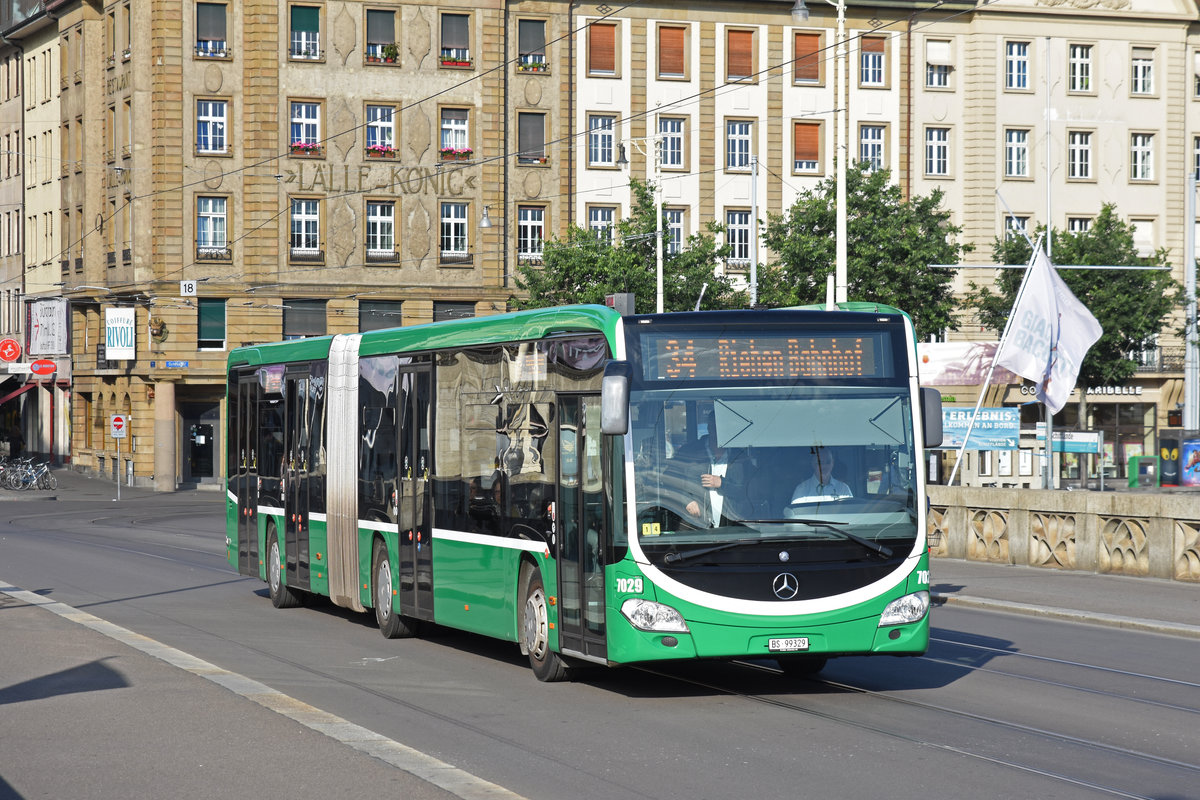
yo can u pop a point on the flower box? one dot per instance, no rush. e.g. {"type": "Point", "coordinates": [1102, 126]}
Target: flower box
{"type": "Point", "coordinates": [456, 153]}
{"type": "Point", "coordinates": [381, 151]}
{"type": "Point", "coordinates": [454, 62]}
{"type": "Point", "coordinates": [306, 149]}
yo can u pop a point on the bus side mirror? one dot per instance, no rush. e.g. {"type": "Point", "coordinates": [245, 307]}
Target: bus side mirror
{"type": "Point", "coordinates": [931, 417]}
{"type": "Point", "coordinates": [614, 398]}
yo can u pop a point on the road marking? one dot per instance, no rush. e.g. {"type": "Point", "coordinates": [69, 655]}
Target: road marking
{"type": "Point", "coordinates": [445, 776]}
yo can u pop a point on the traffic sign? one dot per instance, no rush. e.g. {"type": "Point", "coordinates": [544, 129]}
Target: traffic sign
{"type": "Point", "coordinates": [118, 425]}
{"type": "Point", "coordinates": [43, 367]}
{"type": "Point", "coordinates": [10, 349]}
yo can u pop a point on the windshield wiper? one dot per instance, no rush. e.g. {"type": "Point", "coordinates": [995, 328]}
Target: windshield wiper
{"type": "Point", "coordinates": [675, 558]}
{"type": "Point", "coordinates": [875, 547]}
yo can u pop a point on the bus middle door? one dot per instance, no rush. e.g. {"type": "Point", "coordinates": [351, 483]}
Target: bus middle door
{"type": "Point", "coordinates": [245, 444]}
{"type": "Point", "coordinates": [414, 504]}
{"type": "Point", "coordinates": [295, 480]}
{"type": "Point", "coordinates": [582, 528]}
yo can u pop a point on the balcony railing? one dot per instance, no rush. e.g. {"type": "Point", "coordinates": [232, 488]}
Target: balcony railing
{"type": "Point", "coordinates": [207, 252]}
{"type": "Point", "coordinates": [307, 255]}
{"type": "Point", "coordinates": [377, 256]}
{"type": "Point", "coordinates": [212, 49]}
{"type": "Point", "coordinates": [455, 257]}
{"type": "Point", "coordinates": [1159, 359]}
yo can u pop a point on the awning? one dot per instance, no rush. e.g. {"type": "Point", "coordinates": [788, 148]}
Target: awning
{"type": "Point", "coordinates": [16, 392]}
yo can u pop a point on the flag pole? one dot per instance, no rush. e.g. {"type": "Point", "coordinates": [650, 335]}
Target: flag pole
{"type": "Point", "coordinates": [987, 381]}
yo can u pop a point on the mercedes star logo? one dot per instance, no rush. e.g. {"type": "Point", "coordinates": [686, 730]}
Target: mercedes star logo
{"type": "Point", "coordinates": [785, 585]}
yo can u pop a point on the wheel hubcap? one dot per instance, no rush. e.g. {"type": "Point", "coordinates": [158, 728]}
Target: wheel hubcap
{"type": "Point", "coordinates": [273, 569]}
{"type": "Point", "coordinates": [536, 625]}
{"type": "Point", "coordinates": [383, 590]}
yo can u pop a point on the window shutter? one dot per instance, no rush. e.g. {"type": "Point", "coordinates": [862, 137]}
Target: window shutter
{"type": "Point", "coordinates": [807, 141]}
{"type": "Point", "coordinates": [304, 318]}
{"type": "Point", "coordinates": [531, 135]}
{"type": "Point", "coordinates": [531, 37]}
{"type": "Point", "coordinates": [937, 53]}
{"type": "Point", "coordinates": [306, 19]}
{"type": "Point", "coordinates": [670, 51]}
{"type": "Point", "coordinates": [210, 22]}
{"type": "Point", "coordinates": [212, 319]}
{"type": "Point", "coordinates": [740, 53]}
{"type": "Point", "coordinates": [873, 44]}
{"type": "Point", "coordinates": [455, 32]}
{"type": "Point", "coordinates": [808, 57]}
{"type": "Point", "coordinates": [381, 27]}
{"type": "Point", "coordinates": [602, 48]}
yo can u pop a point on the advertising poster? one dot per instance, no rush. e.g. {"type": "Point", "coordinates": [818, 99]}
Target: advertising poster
{"type": "Point", "coordinates": [1189, 463]}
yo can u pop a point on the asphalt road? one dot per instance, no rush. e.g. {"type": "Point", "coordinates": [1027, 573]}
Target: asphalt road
{"type": "Point", "coordinates": [1003, 706]}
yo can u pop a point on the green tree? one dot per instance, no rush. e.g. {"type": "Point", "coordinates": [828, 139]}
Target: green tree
{"type": "Point", "coordinates": [890, 243]}
{"type": "Point", "coordinates": [1130, 305]}
{"type": "Point", "coordinates": [583, 268]}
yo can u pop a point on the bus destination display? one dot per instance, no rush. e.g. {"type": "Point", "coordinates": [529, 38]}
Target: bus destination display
{"type": "Point", "coordinates": [683, 357]}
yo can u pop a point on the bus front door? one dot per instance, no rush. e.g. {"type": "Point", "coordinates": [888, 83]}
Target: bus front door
{"type": "Point", "coordinates": [582, 528]}
{"type": "Point", "coordinates": [414, 504]}
{"type": "Point", "coordinates": [245, 444]}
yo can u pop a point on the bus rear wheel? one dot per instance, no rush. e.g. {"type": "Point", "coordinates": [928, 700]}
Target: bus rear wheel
{"type": "Point", "coordinates": [547, 665]}
{"type": "Point", "coordinates": [281, 596]}
{"type": "Point", "coordinates": [391, 624]}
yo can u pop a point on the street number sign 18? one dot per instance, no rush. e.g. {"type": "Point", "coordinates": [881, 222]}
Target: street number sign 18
{"type": "Point", "coordinates": [187, 288]}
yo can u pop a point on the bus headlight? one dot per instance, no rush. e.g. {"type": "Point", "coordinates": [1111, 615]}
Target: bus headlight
{"type": "Point", "coordinates": [646, 615]}
{"type": "Point", "coordinates": [910, 608]}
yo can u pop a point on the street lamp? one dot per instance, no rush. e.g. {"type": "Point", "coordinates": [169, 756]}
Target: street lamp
{"type": "Point", "coordinates": [840, 77]}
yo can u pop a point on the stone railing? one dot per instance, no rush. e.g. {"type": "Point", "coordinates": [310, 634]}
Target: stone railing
{"type": "Point", "coordinates": [1116, 533]}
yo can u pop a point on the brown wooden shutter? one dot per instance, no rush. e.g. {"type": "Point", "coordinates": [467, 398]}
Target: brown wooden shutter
{"type": "Point", "coordinates": [808, 57]}
{"type": "Point", "coordinates": [670, 51]}
{"type": "Point", "coordinates": [873, 44]}
{"type": "Point", "coordinates": [602, 48]}
{"type": "Point", "coordinates": [807, 141]}
{"type": "Point", "coordinates": [740, 53]}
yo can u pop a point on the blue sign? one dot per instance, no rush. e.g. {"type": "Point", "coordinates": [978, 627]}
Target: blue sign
{"type": "Point", "coordinates": [994, 428]}
{"type": "Point", "coordinates": [176, 365]}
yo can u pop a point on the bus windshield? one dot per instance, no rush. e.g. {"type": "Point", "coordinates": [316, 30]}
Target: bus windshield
{"type": "Point", "coordinates": [766, 463]}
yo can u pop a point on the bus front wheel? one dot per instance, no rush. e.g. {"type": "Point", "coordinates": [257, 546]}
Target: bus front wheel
{"type": "Point", "coordinates": [547, 665]}
{"type": "Point", "coordinates": [281, 596]}
{"type": "Point", "coordinates": [391, 624]}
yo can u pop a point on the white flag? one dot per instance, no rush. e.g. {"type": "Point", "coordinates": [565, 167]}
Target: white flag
{"type": "Point", "coordinates": [1049, 334]}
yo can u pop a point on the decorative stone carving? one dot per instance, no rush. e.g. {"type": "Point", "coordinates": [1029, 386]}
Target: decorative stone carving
{"type": "Point", "coordinates": [533, 184]}
{"type": "Point", "coordinates": [344, 125]}
{"type": "Point", "coordinates": [1124, 547]}
{"type": "Point", "coordinates": [417, 127]}
{"type": "Point", "coordinates": [344, 38]}
{"type": "Point", "coordinates": [417, 35]}
{"type": "Point", "coordinates": [937, 531]}
{"type": "Point", "coordinates": [343, 220]}
{"type": "Point", "coordinates": [1053, 542]}
{"type": "Point", "coordinates": [213, 175]}
{"type": "Point", "coordinates": [533, 91]}
{"type": "Point", "coordinates": [1187, 551]}
{"type": "Point", "coordinates": [214, 78]}
{"type": "Point", "coordinates": [989, 536]}
{"type": "Point", "coordinates": [419, 225]}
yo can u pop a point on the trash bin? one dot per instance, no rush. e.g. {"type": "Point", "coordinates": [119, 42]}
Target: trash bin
{"type": "Point", "coordinates": [1143, 471]}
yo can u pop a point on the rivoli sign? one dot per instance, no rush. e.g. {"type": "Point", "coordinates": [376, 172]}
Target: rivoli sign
{"type": "Point", "coordinates": [120, 336]}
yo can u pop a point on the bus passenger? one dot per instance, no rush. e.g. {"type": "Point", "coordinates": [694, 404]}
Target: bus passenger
{"type": "Point", "coordinates": [718, 478]}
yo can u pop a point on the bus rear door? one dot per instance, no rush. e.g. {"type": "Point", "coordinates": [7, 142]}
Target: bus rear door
{"type": "Point", "coordinates": [414, 505]}
{"type": "Point", "coordinates": [582, 528]}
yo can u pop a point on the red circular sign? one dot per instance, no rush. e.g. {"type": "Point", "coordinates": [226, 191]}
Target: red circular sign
{"type": "Point", "coordinates": [10, 349]}
{"type": "Point", "coordinates": [43, 366]}
{"type": "Point", "coordinates": [118, 422]}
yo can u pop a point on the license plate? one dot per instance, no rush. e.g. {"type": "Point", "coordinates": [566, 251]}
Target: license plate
{"type": "Point", "coordinates": [787, 645]}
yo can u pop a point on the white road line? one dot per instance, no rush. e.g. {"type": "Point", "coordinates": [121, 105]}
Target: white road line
{"type": "Point", "coordinates": [439, 773]}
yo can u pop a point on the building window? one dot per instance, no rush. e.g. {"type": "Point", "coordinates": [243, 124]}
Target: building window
{"type": "Point", "coordinates": [1016, 153]}
{"type": "Point", "coordinates": [601, 220]}
{"type": "Point", "coordinates": [870, 146]}
{"type": "Point", "coordinates": [306, 33]}
{"type": "Point", "coordinates": [600, 140]}
{"type": "Point", "coordinates": [806, 54]}
{"type": "Point", "coordinates": [1079, 68]}
{"type": "Point", "coordinates": [938, 62]}
{"type": "Point", "coordinates": [381, 231]}
{"type": "Point", "coordinates": [1196, 73]}
{"type": "Point", "coordinates": [210, 323]}
{"type": "Point", "coordinates": [212, 234]}
{"type": "Point", "coordinates": [739, 55]}
{"type": "Point", "coordinates": [602, 49]}
{"type": "Point", "coordinates": [674, 233]}
{"type": "Point", "coordinates": [1016, 65]}
{"type": "Point", "coordinates": [1078, 225]}
{"type": "Point", "coordinates": [381, 37]}
{"type": "Point", "coordinates": [210, 125]}
{"type": "Point", "coordinates": [670, 131]}
{"type": "Point", "coordinates": [1196, 157]}
{"type": "Point", "coordinates": [455, 133]}
{"type": "Point", "coordinates": [1141, 157]}
{"type": "Point", "coordinates": [1142, 71]}
{"type": "Point", "coordinates": [531, 138]}
{"type": "Point", "coordinates": [443, 310]}
{"type": "Point", "coordinates": [739, 136]}
{"type": "Point", "coordinates": [454, 234]}
{"type": "Point", "coordinates": [456, 40]}
{"type": "Point", "coordinates": [737, 236]}
{"type": "Point", "coordinates": [211, 40]}
{"type": "Point", "coordinates": [1015, 227]}
{"type": "Point", "coordinates": [381, 131]}
{"type": "Point", "coordinates": [806, 146]}
{"type": "Point", "coordinates": [672, 51]}
{"type": "Point", "coordinates": [302, 318]}
{"type": "Point", "coordinates": [1079, 155]}
{"type": "Point", "coordinates": [531, 46]}
{"type": "Point", "coordinates": [872, 64]}
{"type": "Point", "coordinates": [305, 240]}
{"type": "Point", "coordinates": [306, 128]}
{"type": "Point", "coordinates": [375, 315]}
{"type": "Point", "coordinates": [937, 152]}
{"type": "Point", "coordinates": [531, 231]}
{"type": "Point", "coordinates": [1144, 238]}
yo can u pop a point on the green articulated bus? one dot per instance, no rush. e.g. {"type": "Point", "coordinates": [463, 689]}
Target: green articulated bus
{"type": "Point", "coordinates": [597, 488]}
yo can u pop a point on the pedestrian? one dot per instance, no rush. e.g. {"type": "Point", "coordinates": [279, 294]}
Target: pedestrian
{"type": "Point", "coordinates": [16, 441]}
